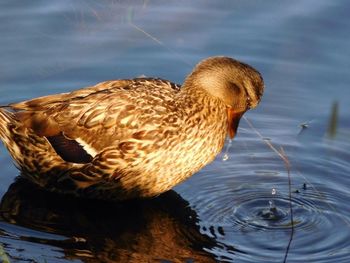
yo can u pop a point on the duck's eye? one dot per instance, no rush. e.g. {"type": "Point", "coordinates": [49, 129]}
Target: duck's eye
{"type": "Point", "coordinates": [235, 88]}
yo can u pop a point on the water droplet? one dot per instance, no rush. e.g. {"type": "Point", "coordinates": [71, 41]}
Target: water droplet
{"type": "Point", "coordinates": [271, 202]}
{"type": "Point", "coordinates": [226, 155]}
{"type": "Point", "coordinates": [273, 191]}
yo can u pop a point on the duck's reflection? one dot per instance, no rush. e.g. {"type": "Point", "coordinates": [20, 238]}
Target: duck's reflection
{"type": "Point", "coordinates": [157, 230]}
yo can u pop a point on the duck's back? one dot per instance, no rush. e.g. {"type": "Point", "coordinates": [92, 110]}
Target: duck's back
{"type": "Point", "coordinates": [104, 114]}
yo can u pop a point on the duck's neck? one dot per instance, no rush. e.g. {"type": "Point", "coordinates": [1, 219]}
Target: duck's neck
{"type": "Point", "coordinates": [198, 100]}
{"type": "Point", "coordinates": [207, 116]}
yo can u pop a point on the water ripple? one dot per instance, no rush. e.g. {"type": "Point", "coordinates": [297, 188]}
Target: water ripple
{"type": "Point", "coordinates": [242, 212]}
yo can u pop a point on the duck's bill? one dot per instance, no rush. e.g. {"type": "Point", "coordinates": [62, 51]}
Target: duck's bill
{"type": "Point", "coordinates": [233, 119]}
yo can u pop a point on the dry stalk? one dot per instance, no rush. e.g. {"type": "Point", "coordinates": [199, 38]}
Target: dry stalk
{"type": "Point", "coordinates": [281, 153]}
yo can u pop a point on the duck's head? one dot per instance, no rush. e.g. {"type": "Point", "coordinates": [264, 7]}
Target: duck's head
{"type": "Point", "coordinates": [238, 85]}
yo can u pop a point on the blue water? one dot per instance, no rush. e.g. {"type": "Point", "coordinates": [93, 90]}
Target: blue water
{"type": "Point", "coordinates": [221, 213]}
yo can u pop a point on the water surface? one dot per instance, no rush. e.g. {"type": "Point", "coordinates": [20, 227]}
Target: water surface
{"type": "Point", "coordinates": [223, 213]}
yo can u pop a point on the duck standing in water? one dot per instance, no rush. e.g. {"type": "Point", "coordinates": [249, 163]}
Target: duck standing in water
{"type": "Point", "coordinates": [134, 138]}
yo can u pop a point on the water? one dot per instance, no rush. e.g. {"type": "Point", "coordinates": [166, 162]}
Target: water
{"type": "Point", "coordinates": [224, 212]}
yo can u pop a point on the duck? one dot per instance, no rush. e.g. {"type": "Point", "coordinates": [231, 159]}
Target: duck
{"type": "Point", "coordinates": [130, 138]}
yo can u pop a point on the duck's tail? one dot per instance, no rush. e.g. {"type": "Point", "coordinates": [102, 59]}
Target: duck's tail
{"type": "Point", "coordinates": [32, 153]}
{"type": "Point", "coordinates": [8, 124]}
{"type": "Point", "coordinates": [6, 118]}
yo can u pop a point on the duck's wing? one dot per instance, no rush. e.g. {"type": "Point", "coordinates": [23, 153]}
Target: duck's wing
{"type": "Point", "coordinates": [82, 123]}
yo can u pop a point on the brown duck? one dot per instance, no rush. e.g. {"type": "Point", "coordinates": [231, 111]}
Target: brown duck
{"type": "Point", "coordinates": [123, 139]}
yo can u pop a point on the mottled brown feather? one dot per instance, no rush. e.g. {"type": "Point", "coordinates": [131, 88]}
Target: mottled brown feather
{"type": "Point", "coordinates": [129, 138]}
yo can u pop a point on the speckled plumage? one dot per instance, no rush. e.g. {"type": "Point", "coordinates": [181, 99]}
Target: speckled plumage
{"type": "Point", "coordinates": [129, 138]}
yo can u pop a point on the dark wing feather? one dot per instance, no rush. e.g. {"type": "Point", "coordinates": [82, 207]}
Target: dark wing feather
{"type": "Point", "coordinates": [69, 150]}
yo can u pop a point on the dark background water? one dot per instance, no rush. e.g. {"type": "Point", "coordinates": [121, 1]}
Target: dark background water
{"type": "Point", "coordinates": [221, 213]}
